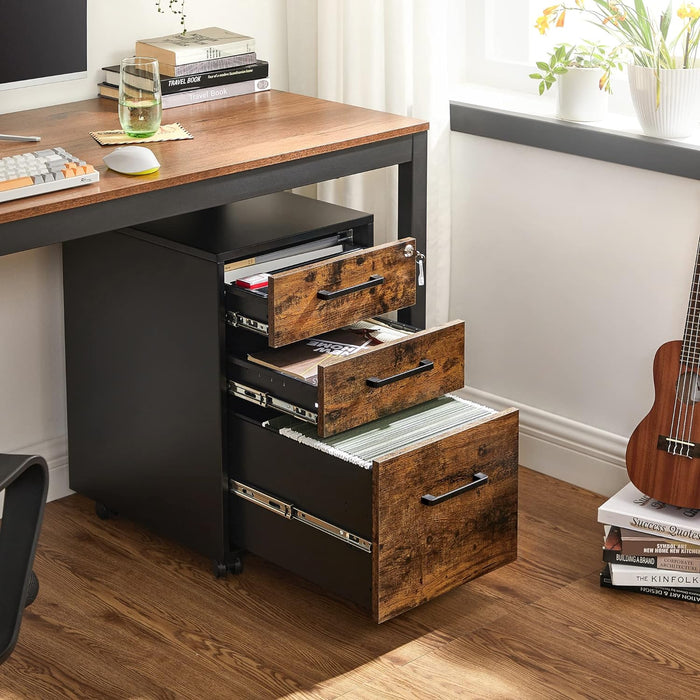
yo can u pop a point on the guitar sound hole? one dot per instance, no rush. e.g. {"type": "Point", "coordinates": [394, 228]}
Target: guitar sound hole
{"type": "Point", "coordinates": [688, 388]}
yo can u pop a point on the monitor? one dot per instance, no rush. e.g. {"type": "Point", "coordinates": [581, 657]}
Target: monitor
{"type": "Point", "coordinates": [42, 41]}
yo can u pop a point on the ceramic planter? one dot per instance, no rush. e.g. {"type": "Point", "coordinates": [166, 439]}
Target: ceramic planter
{"type": "Point", "coordinates": [678, 111]}
{"type": "Point", "coordinates": [579, 97]}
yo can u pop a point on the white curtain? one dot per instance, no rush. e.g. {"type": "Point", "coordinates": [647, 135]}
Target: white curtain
{"type": "Point", "coordinates": [389, 55]}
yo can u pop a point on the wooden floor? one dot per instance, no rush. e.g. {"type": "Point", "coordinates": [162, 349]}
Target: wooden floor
{"type": "Point", "coordinates": [123, 614]}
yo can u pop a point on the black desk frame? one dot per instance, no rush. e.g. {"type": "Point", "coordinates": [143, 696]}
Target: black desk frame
{"type": "Point", "coordinates": [408, 152]}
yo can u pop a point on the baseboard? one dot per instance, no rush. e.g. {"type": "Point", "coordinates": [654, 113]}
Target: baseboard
{"type": "Point", "coordinates": [565, 449]}
{"type": "Point", "coordinates": [55, 452]}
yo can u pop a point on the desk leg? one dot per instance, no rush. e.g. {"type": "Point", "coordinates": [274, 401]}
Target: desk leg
{"type": "Point", "coordinates": [412, 215]}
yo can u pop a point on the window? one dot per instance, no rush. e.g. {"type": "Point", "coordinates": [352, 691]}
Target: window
{"type": "Point", "coordinates": [502, 45]}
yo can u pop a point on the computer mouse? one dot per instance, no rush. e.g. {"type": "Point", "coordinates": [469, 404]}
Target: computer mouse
{"type": "Point", "coordinates": [132, 160]}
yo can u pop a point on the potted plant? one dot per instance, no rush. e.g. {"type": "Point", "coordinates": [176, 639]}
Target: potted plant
{"type": "Point", "coordinates": [663, 77]}
{"type": "Point", "coordinates": [582, 73]}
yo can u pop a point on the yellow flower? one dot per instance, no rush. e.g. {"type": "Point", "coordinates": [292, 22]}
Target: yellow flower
{"type": "Point", "coordinates": [542, 24]}
{"type": "Point", "coordinates": [688, 11]}
{"type": "Point", "coordinates": [580, 3]}
{"type": "Point", "coordinates": [617, 14]}
{"type": "Point", "coordinates": [560, 20]}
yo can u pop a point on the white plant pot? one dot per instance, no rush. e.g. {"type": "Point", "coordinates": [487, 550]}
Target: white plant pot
{"type": "Point", "coordinates": [678, 110]}
{"type": "Point", "coordinates": [579, 97]}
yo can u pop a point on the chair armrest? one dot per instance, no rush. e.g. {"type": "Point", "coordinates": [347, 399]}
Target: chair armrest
{"type": "Point", "coordinates": [25, 481]}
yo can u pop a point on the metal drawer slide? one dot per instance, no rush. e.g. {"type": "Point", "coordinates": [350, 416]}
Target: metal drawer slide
{"type": "Point", "coordinates": [291, 512]}
{"type": "Point", "coordinates": [236, 320]}
{"type": "Point", "coordinates": [266, 400]}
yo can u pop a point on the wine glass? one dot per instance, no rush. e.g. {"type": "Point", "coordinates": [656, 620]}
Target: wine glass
{"type": "Point", "coordinates": [140, 107]}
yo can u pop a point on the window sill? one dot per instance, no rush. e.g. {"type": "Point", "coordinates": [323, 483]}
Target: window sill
{"type": "Point", "coordinates": [530, 120]}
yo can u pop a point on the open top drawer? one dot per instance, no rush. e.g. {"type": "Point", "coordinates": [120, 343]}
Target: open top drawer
{"type": "Point", "coordinates": [325, 295]}
{"type": "Point", "coordinates": [362, 387]}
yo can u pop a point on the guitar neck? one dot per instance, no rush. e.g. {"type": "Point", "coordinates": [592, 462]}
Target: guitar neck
{"type": "Point", "coordinates": [690, 351]}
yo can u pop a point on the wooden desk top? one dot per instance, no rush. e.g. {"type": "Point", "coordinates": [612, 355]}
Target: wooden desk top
{"type": "Point", "coordinates": [230, 136]}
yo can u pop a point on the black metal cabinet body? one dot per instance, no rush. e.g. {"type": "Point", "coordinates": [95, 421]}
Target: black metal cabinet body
{"type": "Point", "coordinates": [145, 357]}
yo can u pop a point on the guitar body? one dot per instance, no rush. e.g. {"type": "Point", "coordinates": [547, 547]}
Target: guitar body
{"type": "Point", "coordinates": [672, 425]}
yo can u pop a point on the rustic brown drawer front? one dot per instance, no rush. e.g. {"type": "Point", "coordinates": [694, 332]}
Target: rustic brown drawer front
{"type": "Point", "coordinates": [323, 296]}
{"type": "Point", "coordinates": [421, 551]}
{"type": "Point", "coordinates": [396, 375]}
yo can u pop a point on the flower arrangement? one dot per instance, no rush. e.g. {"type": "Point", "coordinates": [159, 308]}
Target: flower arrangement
{"type": "Point", "coordinates": [588, 54]}
{"type": "Point", "coordinates": [646, 37]}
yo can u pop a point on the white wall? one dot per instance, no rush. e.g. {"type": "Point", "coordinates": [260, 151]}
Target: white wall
{"type": "Point", "coordinates": [570, 273]}
{"type": "Point", "coordinates": [32, 371]}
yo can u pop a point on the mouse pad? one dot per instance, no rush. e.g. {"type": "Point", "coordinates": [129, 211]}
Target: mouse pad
{"type": "Point", "coordinates": [167, 132]}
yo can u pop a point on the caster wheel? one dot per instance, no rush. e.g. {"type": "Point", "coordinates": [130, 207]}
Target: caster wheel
{"type": "Point", "coordinates": [236, 567]}
{"type": "Point", "coordinates": [103, 512]}
{"type": "Point", "coordinates": [32, 589]}
{"type": "Point", "coordinates": [220, 569]}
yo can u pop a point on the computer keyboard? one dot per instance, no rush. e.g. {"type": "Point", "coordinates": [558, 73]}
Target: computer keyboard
{"type": "Point", "coordinates": [38, 172]}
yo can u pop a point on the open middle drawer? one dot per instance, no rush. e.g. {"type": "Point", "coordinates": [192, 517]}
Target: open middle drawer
{"type": "Point", "coordinates": [325, 295]}
{"type": "Point", "coordinates": [362, 387]}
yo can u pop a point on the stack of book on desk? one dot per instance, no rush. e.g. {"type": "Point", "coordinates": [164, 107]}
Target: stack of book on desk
{"type": "Point", "coordinates": [650, 547]}
{"type": "Point", "coordinates": [199, 66]}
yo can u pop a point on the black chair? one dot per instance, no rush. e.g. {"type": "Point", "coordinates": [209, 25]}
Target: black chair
{"type": "Point", "coordinates": [25, 481]}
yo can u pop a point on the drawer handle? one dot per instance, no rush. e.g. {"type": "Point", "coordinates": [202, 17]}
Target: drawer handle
{"type": "Point", "coordinates": [373, 281]}
{"type": "Point", "coordinates": [423, 366]}
{"type": "Point", "coordinates": [478, 479]}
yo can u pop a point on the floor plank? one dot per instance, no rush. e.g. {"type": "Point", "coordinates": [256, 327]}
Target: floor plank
{"type": "Point", "coordinates": [122, 613]}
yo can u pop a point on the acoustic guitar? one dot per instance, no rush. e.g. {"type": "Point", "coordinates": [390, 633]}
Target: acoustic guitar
{"type": "Point", "coordinates": [663, 454]}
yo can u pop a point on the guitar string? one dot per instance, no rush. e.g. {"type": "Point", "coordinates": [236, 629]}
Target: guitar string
{"type": "Point", "coordinates": [694, 377]}
{"type": "Point", "coordinates": [689, 345]}
{"type": "Point", "coordinates": [691, 361]}
{"type": "Point", "coordinates": [681, 388]}
{"type": "Point", "coordinates": [684, 393]}
{"type": "Point", "coordinates": [672, 443]}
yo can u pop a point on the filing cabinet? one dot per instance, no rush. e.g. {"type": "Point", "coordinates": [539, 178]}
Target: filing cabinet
{"type": "Point", "coordinates": [373, 481]}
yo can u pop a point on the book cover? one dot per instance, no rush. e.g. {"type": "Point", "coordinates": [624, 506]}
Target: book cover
{"type": "Point", "coordinates": [625, 575]}
{"type": "Point", "coordinates": [302, 359]}
{"type": "Point", "coordinates": [241, 59]}
{"type": "Point", "coordinates": [109, 91]}
{"type": "Point", "coordinates": [199, 45]}
{"type": "Point", "coordinates": [623, 546]}
{"type": "Point", "coordinates": [636, 542]}
{"type": "Point", "coordinates": [690, 595]}
{"type": "Point", "coordinates": [188, 97]}
{"type": "Point", "coordinates": [170, 85]}
{"type": "Point", "coordinates": [631, 509]}
{"type": "Point", "coordinates": [687, 564]}
{"type": "Point", "coordinates": [274, 262]}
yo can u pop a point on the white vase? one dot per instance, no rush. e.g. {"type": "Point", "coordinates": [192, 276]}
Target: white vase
{"type": "Point", "coordinates": [579, 97]}
{"type": "Point", "coordinates": [678, 111]}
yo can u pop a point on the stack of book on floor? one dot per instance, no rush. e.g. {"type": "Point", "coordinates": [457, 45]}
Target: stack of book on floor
{"type": "Point", "coordinates": [650, 547]}
{"type": "Point", "coordinates": [199, 66]}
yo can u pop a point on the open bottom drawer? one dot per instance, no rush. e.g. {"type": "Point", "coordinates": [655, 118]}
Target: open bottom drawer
{"type": "Point", "coordinates": [389, 515]}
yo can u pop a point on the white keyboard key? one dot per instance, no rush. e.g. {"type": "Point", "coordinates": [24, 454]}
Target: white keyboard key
{"type": "Point", "coordinates": [28, 174]}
